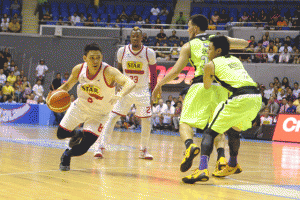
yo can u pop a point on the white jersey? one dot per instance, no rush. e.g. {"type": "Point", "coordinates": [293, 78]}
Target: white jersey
{"type": "Point", "coordinates": [136, 64]}
{"type": "Point", "coordinates": [94, 93]}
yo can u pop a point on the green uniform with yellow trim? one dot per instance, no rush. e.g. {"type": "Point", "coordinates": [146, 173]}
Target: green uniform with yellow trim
{"type": "Point", "coordinates": [199, 104]}
{"type": "Point", "coordinates": [245, 102]}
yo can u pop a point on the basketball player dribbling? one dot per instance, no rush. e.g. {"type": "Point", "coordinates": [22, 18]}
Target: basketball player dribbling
{"type": "Point", "coordinates": [96, 96]}
{"type": "Point", "coordinates": [134, 60]}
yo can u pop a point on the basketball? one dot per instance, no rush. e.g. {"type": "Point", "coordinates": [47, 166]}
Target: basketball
{"type": "Point", "coordinates": [58, 101]}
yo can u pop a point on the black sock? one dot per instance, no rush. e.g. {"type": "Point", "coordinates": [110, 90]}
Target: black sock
{"type": "Point", "coordinates": [188, 142]}
{"type": "Point", "coordinates": [221, 153]}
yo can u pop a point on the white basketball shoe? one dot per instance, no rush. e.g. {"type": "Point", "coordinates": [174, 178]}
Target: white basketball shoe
{"type": "Point", "coordinates": [99, 153]}
{"type": "Point", "coordinates": [145, 155]}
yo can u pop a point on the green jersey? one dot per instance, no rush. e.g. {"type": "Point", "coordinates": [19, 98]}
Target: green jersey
{"type": "Point", "coordinates": [231, 74]}
{"type": "Point", "coordinates": [199, 56]}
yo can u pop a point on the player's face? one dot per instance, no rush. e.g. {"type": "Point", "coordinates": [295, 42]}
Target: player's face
{"type": "Point", "coordinates": [211, 51]}
{"type": "Point", "coordinates": [191, 30]}
{"type": "Point", "coordinates": [93, 59]}
{"type": "Point", "coordinates": [136, 39]}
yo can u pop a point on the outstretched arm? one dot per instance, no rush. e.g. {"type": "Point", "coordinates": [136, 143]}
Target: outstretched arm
{"type": "Point", "coordinates": [208, 77]}
{"type": "Point", "coordinates": [236, 43]}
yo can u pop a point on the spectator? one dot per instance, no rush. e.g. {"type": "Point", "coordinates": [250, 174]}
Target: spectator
{"type": "Point", "coordinates": [175, 100]}
{"type": "Point", "coordinates": [211, 25]}
{"type": "Point", "coordinates": [3, 60]}
{"type": "Point", "coordinates": [31, 100]}
{"type": "Point", "coordinates": [82, 18]}
{"type": "Point", "coordinates": [215, 17]}
{"type": "Point", "coordinates": [72, 98]}
{"type": "Point", "coordinates": [168, 114]}
{"type": "Point", "coordinates": [18, 92]}
{"type": "Point", "coordinates": [41, 70]}
{"type": "Point", "coordinates": [265, 41]}
{"type": "Point", "coordinates": [157, 114]}
{"type": "Point", "coordinates": [11, 64]}
{"type": "Point", "coordinates": [297, 101]}
{"type": "Point", "coordinates": [11, 78]}
{"type": "Point", "coordinates": [123, 17]}
{"type": "Point", "coordinates": [173, 37]}
{"type": "Point", "coordinates": [14, 26]}
{"type": "Point", "coordinates": [271, 45]}
{"type": "Point", "coordinates": [134, 16]}
{"type": "Point", "coordinates": [89, 22]}
{"type": "Point", "coordinates": [252, 41]}
{"type": "Point", "coordinates": [281, 22]}
{"type": "Point", "coordinates": [5, 18]}
{"type": "Point", "coordinates": [66, 77]}
{"type": "Point", "coordinates": [147, 24]}
{"type": "Point", "coordinates": [6, 70]}
{"type": "Point", "coordinates": [4, 25]}
{"type": "Point", "coordinates": [180, 20]}
{"type": "Point", "coordinates": [273, 106]}
{"type": "Point", "coordinates": [296, 90]}
{"type": "Point", "coordinates": [170, 98]}
{"type": "Point", "coordinates": [284, 106]}
{"type": "Point", "coordinates": [116, 25]}
{"type": "Point", "coordinates": [296, 58]}
{"type": "Point", "coordinates": [177, 114]}
{"type": "Point", "coordinates": [26, 88]}
{"type": "Point", "coordinates": [40, 101]}
{"type": "Point", "coordinates": [2, 78]}
{"type": "Point", "coordinates": [164, 11]}
{"type": "Point", "coordinates": [277, 43]}
{"type": "Point", "coordinates": [284, 56]}
{"type": "Point", "coordinates": [259, 56]}
{"type": "Point", "coordinates": [262, 17]}
{"type": "Point", "coordinates": [3, 99]}
{"type": "Point", "coordinates": [38, 90]}
{"type": "Point", "coordinates": [46, 17]}
{"type": "Point", "coordinates": [140, 21]}
{"type": "Point", "coordinates": [271, 56]}
{"type": "Point", "coordinates": [251, 57]}
{"type": "Point", "coordinates": [290, 95]}
{"type": "Point", "coordinates": [16, 16]}
{"type": "Point", "coordinates": [145, 40]}
{"type": "Point", "coordinates": [253, 17]}
{"type": "Point", "coordinates": [161, 36]}
{"type": "Point", "coordinates": [286, 46]}
{"type": "Point", "coordinates": [281, 95]}
{"type": "Point", "coordinates": [158, 23]}
{"type": "Point", "coordinates": [244, 18]}
{"type": "Point", "coordinates": [224, 18]}
{"type": "Point", "coordinates": [56, 83]}
{"type": "Point", "coordinates": [8, 89]}
{"type": "Point", "coordinates": [10, 99]}
{"type": "Point", "coordinates": [74, 19]}
{"type": "Point", "coordinates": [15, 5]}
{"type": "Point", "coordinates": [19, 81]}
{"type": "Point", "coordinates": [155, 11]}
{"type": "Point", "coordinates": [265, 118]}
{"type": "Point", "coordinates": [175, 52]}
{"type": "Point", "coordinates": [231, 22]}
{"type": "Point", "coordinates": [285, 83]}
{"type": "Point", "coordinates": [16, 71]}
{"type": "Point", "coordinates": [291, 109]}
{"type": "Point", "coordinates": [25, 82]}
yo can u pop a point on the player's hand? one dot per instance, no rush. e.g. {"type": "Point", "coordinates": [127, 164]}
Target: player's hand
{"type": "Point", "coordinates": [114, 99]}
{"type": "Point", "coordinates": [157, 91]}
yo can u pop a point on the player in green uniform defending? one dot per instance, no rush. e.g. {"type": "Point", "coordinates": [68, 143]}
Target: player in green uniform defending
{"type": "Point", "coordinates": [233, 115]}
{"type": "Point", "coordinates": [199, 104]}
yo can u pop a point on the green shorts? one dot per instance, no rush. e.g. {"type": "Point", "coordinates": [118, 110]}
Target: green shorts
{"type": "Point", "coordinates": [199, 104]}
{"type": "Point", "coordinates": [238, 112]}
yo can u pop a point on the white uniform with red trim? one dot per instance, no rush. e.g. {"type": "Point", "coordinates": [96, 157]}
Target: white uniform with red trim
{"type": "Point", "coordinates": [92, 105]}
{"type": "Point", "coordinates": [136, 66]}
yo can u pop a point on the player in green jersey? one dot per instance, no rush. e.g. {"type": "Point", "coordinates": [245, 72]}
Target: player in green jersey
{"type": "Point", "coordinates": [199, 104]}
{"type": "Point", "coordinates": [231, 116]}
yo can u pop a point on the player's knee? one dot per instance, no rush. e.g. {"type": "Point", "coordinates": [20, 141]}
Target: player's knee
{"type": "Point", "coordinates": [62, 133]}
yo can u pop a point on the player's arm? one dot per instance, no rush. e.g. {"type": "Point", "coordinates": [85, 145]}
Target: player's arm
{"type": "Point", "coordinates": [236, 43]}
{"type": "Point", "coordinates": [208, 77]}
{"type": "Point", "coordinates": [73, 79]}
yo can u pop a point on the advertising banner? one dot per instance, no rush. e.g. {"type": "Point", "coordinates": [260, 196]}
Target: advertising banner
{"type": "Point", "coordinates": [287, 128]}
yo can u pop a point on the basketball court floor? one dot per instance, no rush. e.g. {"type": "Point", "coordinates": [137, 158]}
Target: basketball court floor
{"type": "Point", "coordinates": [30, 158]}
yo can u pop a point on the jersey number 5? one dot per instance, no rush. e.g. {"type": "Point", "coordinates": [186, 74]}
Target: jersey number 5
{"type": "Point", "coordinates": [135, 78]}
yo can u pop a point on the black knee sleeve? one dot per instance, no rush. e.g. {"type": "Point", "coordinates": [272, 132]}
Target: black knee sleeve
{"type": "Point", "coordinates": [233, 142]}
{"type": "Point", "coordinates": [63, 133]}
{"type": "Point", "coordinates": [87, 141]}
{"type": "Point", "coordinates": [207, 143]}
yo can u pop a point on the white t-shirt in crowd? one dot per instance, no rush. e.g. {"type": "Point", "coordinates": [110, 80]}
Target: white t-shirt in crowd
{"type": "Point", "coordinates": [266, 120]}
{"type": "Point", "coordinates": [41, 70]}
{"type": "Point", "coordinates": [167, 119]}
{"type": "Point", "coordinates": [271, 57]}
{"type": "Point", "coordinates": [296, 92]}
{"type": "Point", "coordinates": [39, 91]}
{"type": "Point", "coordinates": [155, 11]}
{"type": "Point", "coordinates": [290, 49]}
{"type": "Point", "coordinates": [75, 19]}
{"type": "Point", "coordinates": [2, 79]}
{"type": "Point", "coordinates": [268, 93]}
{"type": "Point", "coordinates": [159, 109]}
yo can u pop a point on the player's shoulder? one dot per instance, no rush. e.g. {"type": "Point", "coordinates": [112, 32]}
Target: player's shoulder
{"type": "Point", "coordinates": [121, 49]}
{"type": "Point", "coordinates": [77, 68]}
{"type": "Point", "coordinates": [149, 50]}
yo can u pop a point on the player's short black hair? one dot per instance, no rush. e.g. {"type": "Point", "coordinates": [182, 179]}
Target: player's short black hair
{"type": "Point", "coordinates": [221, 42]}
{"type": "Point", "coordinates": [91, 47]}
{"type": "Point", "coordinates": [201, 21]}
{"type": "Point", "coordinates": [168, 101]}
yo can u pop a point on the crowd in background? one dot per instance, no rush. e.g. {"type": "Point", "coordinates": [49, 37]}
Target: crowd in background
{"type": "Point", "coordinates": [12, 24]}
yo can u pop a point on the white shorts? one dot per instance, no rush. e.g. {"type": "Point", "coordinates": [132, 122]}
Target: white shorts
{"type": "Point", "coordinates": [75, 116]}
{"type": "Point", "coordinates": [141, 99]}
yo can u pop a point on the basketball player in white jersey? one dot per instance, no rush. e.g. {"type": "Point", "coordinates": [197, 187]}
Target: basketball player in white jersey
{"type": "Point", "coordinates": [135, 61]}
{"type": "Point", "coordinates": [96, 96]}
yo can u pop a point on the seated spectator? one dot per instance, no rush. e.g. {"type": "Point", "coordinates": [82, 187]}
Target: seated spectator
{"type": "Point", "coordinates": [155, 10]}
{"type": "Point", "coordinates": [164, 11]}
{"type": "Point", "coordinates": [277, 43]}
{"type": "Point", "coordinates": [40, 101]}
{"type": "Point", "coordinates": [296, 57]}
{"type": "Point", "coordinates": [72, 98]}
{"type": "Point", "coordinates": [157, 24]}
{"type": "Point", "coordinates": [89, 22]}
{"type": "Point", "coordinates": [284, 56]}
{"type": "Point", "coordinates": [18, 92]}
{"type": "Point", "coordinates": [140, 21]}
{"type": "Point", "coordinates": [231, 22]}
{"type": "Point", "coordinates": [285, 83]}
{"type": "Point", "coordinates": [3, 99]}
{"type": "Point", "coordinates": [31, 100]}
{"type": "Point", "coordinates": [180, 20]}
{"type": "Point", "coordinates": [281, 22]}
{"type": "Point", "coordinates": [14, 26]}
{"type": "Point", "coordinates": [6, 70]}
{"type": "Point", "coordinates": [16, 71]}
{"type": "Point", "coordinates": [25, 82]}
{"type": "Point", "coordinates": [250, 57]}
{"type": "Point", "coordinates": [145, 39]}
{"type": "Point", "coordinates": [10, 99]}
{"type": "Point", "coordinates": [211, 25]}
{"type": "Point", "coordinates": [38, 90]}
{"type": "Point", "coordinates": [41, 70]}
{"type": "Point", "coordinates": [170, 98]}
{"type": "Point", "coordinates": [271, 56]}
{"type": "Point", "coordinates": [265, 118]}
{"type": "Point", "coordinates": [168, 115]}
{"type": "Point", "coordinates": [284, 106]}
{"type": "Point", "coordinates": [271, 45]}
{"type": "Point", "coordinates": [223, 18]}
{"type": "Point", "coordinates": [8, 89]}
{"type": "Point", "coordinates": [173, 37]}
{"type": "Point", "coordinates": [286, 46]}
{"type": "Point", "coordinates": [157, 114]}
{"type": "Point", "coordinates": [82, 18]}
{"type": "Point", "coordinates": [175, 52]}
{"type": "Point", "coordinates": [291, 109]}
{"type": "Point", "coordinates": [116, 25]}
{"type": "Point", "coordinates": [259, 56]}
{"type": "Point", "coordinates": [297, 101]}
{"type": "Point", "coordinates": [65, 78]}
{"type": "Point", "coordinates": [5, 18]}
{"type": "Point", "coordinates": [161, 36]}
{"type": "Point", "coordinates": [22, 74]}
{"type": "Point", "coordinates": [253, 17]}
{"type": "Point", "coordinates": [265, 41]}
{"type": "Point", "coordinates": [123, 17]}
{"type": "Point", "coordinates": [17, 17]}
{"type": "Point", "coordinates": [176, 117]}
{"type": "Point", "coordinates": [147, 24]}
{"type": "Point", "coordinates": [4, 25]}
{"type": "Point", "coordinates": [2, 78]}
{"type": "Point", "coordinates": [215, 17]}
{"type": "Point", "coordinates": [46, 17]}
{"type": "Point", "coordinates": [7, 55]}
{"type": "Point", "coordinates": [275, 16]}
{"type": "Point", "coordinates": [290, 95]}
{"type": "Point", "coordinates": [296, 89]}
{"type": "Point", "coordinates": [15, 5]}
{"type": "Point", "coordinates": [56, 83]}
{"type": "Point", "coordinates": [262, 17]}
{"type": "Point", "coordinates": [244, 18]}
{"type": "Point", "coordinates": [11, 78]}
{"type": "Point", "coordinates": [19, 81]}
{"type": "Point", "coordinates": [252, 41]}
{"type": "Point", "coordinates": [273, 106]}
{"type": "Point", "coordinates": [75, 19]}
{"type": "Point", "coordinates": [181, 44]}
{"type": "Point", "coordinates": [134, 16]}
{"type": "Point", "coordinates": [281, 95]}
{"type": "Point", "coordinates": [26, 91]}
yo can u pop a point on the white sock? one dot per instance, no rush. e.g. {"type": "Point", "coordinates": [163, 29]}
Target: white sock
{"type": "Point", "coordinates": [108, 128]}
{"type": "Point", "coordinates": [146, 130]}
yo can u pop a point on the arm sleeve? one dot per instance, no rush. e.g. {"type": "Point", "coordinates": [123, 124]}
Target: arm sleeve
{"type": "Point", "coordinates": [152, 68]}
{"type": "Point", "coordinates": [120, 54]}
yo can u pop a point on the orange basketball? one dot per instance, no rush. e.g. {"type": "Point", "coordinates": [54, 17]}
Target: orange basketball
{"type": "Point", "coordinates": [58, 101]}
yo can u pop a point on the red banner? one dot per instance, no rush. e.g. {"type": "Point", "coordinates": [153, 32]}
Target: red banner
{"type": "Point", "coordinates": [287, 128]}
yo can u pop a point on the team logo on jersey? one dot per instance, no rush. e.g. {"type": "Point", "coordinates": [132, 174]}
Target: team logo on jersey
{"type": "Point", "coordinates": [133, 65]}
{"type": "Point", "coordinates": [92, 90]}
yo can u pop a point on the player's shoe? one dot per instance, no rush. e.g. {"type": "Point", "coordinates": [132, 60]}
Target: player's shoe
{"type": "Point", "coordinates": [99, 153]}
{"type": "Point", "coordinates": [145, 155]}
{"type": "Point", "coordinates": [190, 154]}
{"type": "Point", "coordinates": [221, 164]}
{"type": "Point", "coordinates": [197, 175]}
{"type": "Point", "coordinates": [228, 171]}
{"type": "Point", "coordinates": [65, 162]}
{"type": "Point", "coordinates": [76, 139]}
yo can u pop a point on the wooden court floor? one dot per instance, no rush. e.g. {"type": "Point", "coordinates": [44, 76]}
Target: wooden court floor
{"type": "Point", "coordinates": [30, 157]}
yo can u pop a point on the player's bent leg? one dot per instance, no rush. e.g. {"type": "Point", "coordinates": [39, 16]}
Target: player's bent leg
{"type": "Point", "coordinates": [221, 160]}
{"type": "Point", "coordinates": [63, 133]}
{"type": "Point", "coordinates": [145, 136]}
